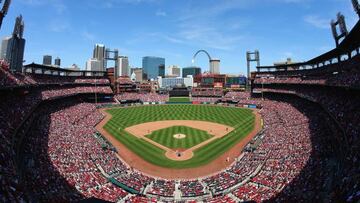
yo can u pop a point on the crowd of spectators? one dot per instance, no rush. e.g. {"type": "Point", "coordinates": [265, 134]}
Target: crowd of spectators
{"type": "Point", "coordinates": [205, 99]}
{"type": "Point", "coordinates": [134, 180]}
{"type": "Point", "coordinates": [344, 74]}
{"type": "Point", "coordinates": [143, 97]}
{"type": "Point", "coordinates": [236, 96]}
{"type": "Point", "coordinates": [163, 188]}
{"type": "Point", "coordinates": [62, 152]}
{"type": "Point", "coordinates": [206, 92]}
{"type": "Point", "coordinates": [16, 79]}
{"type": "Point", "coordinates": [65, 160]}
{"type": "Point", "coordinates": [191, 188]}
{"type": "Point", "coordinates": [219, 199]}
{"type": "Point", "coordinates": [341, 105]}
{"type": "Point", "coordinates": [64, 91]}
{"type": "Point", "coordinates": [288, 131]}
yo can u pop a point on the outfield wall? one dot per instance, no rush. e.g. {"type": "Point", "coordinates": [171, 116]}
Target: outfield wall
{"type": "Point", "coordinates": [111, 105]}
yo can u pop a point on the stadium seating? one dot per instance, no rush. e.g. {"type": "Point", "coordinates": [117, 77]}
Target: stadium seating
{"type": "Point", "coordinates": [206, 92]}
{"type": "Point", "coordinates": [143, 97]}
{"type": "Point", "coordinates": [307, 151]}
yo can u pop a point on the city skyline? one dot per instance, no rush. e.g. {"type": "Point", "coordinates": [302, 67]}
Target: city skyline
{"type": "Point", "coordinates": [176, 30]}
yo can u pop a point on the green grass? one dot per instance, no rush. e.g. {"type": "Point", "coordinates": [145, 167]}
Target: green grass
{"type": "Point", "coordinates": [166, 137]}
{"type": "Point", "coordinates": [241, 119]}
{"type": "Point", "coordinates": [179, 99]}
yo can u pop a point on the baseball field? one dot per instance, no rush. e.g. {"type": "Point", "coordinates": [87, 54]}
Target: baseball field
{"type": "Point", "coordinates": [179, 99]}
{"type": "Point", "coordinates": [207, 131]}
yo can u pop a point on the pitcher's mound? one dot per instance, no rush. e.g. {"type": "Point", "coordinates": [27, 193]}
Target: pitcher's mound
{"type": "Point", "coordinates": [179, 136]}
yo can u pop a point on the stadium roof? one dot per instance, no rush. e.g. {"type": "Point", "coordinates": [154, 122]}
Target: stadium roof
{"type": "Point", "coordinates": [54, 68]}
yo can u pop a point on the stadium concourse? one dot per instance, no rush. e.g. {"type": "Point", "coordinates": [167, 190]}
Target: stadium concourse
{"type": "Point", "coordinates": [308, 150]}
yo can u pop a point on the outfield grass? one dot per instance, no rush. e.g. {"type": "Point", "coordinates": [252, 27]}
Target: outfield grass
{"type": "Point", "coordinates": [240, 119]}
{"type": "Point", "coordinates": [179, 99]}
{"type": "Point", "coordinates": [166, 137]}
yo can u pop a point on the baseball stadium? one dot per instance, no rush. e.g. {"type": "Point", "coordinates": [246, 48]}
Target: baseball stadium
{"type": "Point", "coordinates": [289, 133]}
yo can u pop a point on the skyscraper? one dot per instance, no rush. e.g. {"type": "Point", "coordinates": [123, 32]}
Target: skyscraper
{"type": "Point", "coordinates": [12, 49]}
{"type": "Point", "coordinates": [153, 67]}
{"type": "Point", "coordinates": [47, 60]}
{"type": "Point", "coordinates": [93, 65]}
{"type": "Point", "coordinates": [4, 46]}
{"type": "Point", "coordinates": [57, 62]}
{"type": "Point", "coordinates": [138, 74]}
{"type": "Point", "coordinates": [99, 54]}
{"type": "Point", "coordinates": [123, 66]}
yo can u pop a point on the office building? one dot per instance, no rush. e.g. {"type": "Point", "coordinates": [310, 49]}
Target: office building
{"type": "Point", "coordinates": [12, 48]}
{"type": "Point", "coordinates": [99, 54]}
{"type": "Point", "coordinates": [138, 74]}
{"type": "Point", "coordinates": [123, 66]}
{"type": "Point", "coordinates": [93, 65]}
{"type": "Point", "coordinates": [192, 70]}
{"type": "Point", "coordinates": [173, 71]}
{"type": "Point", "coordinates": [47, 60]}
{"type": "Point", "coordinates": [4, 45]}
{"type": "Point", "coordinates": [153, 67]}
{"type": "Point", "coordinates": [57, 62]}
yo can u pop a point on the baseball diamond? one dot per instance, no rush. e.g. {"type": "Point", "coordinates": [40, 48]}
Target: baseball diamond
{"type": "Point", "coordinates": [186, 137]}
{"type": "Point", "coordinates": [241, 120]}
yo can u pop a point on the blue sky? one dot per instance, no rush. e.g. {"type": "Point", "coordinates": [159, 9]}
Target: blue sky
{"type": "Point", "coordinates": [176, 29]}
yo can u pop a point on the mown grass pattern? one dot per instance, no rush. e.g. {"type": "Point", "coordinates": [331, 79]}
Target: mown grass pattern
{"type": "Point", "coordinates": [241, 119]}
{"type": "Point", "coordinates": [166, 137]}
{"type": "Point", "coordinates": [179, 99]}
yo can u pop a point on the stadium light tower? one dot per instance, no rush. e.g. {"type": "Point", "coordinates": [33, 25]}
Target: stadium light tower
{"type": "Point", "coordinates": [251, 57]}
{"type": "Point", "coordinates": [356, 6]}
{"type": "Point", "coordinates": [4, 10]}
{"type": "Point", "coordinates": [112, 55]}
{"type": "Point", "coordinates": [340, 23]}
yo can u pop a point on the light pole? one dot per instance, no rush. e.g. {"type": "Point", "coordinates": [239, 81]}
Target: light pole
{"type": "Point", "coordinates": [262, 88]}
{"type": "Point", "coordinates": [95, 90]}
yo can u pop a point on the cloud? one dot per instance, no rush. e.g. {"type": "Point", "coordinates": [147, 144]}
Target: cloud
{"type": "Point", "coordinates": [116, 3]}
{"type": "Point", "coordinates": [140, 1]}
{"type": "Point", "coordinates": [88, 36]}
{"type": "Point", "coordinates": [59, 26]}
{"type": "Point", "coordinates": [294, 1]}
{"type": "Point", "coordinates": [212, 8]}
{"type": "Point", "coordinates": [161, 13]}
{"type": "Point", "coordinates": [317, 22]}
{"type": "Point", "coordinates": [207, 25]}
{"type": "Point", "coordinates": [210, 37]}
{"type": "Point", "coordinates": [58, 5]}
{"type": "Point", "coordinates": [155, 37]}
{"type": "Point", "coordinates": [173, 39]}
